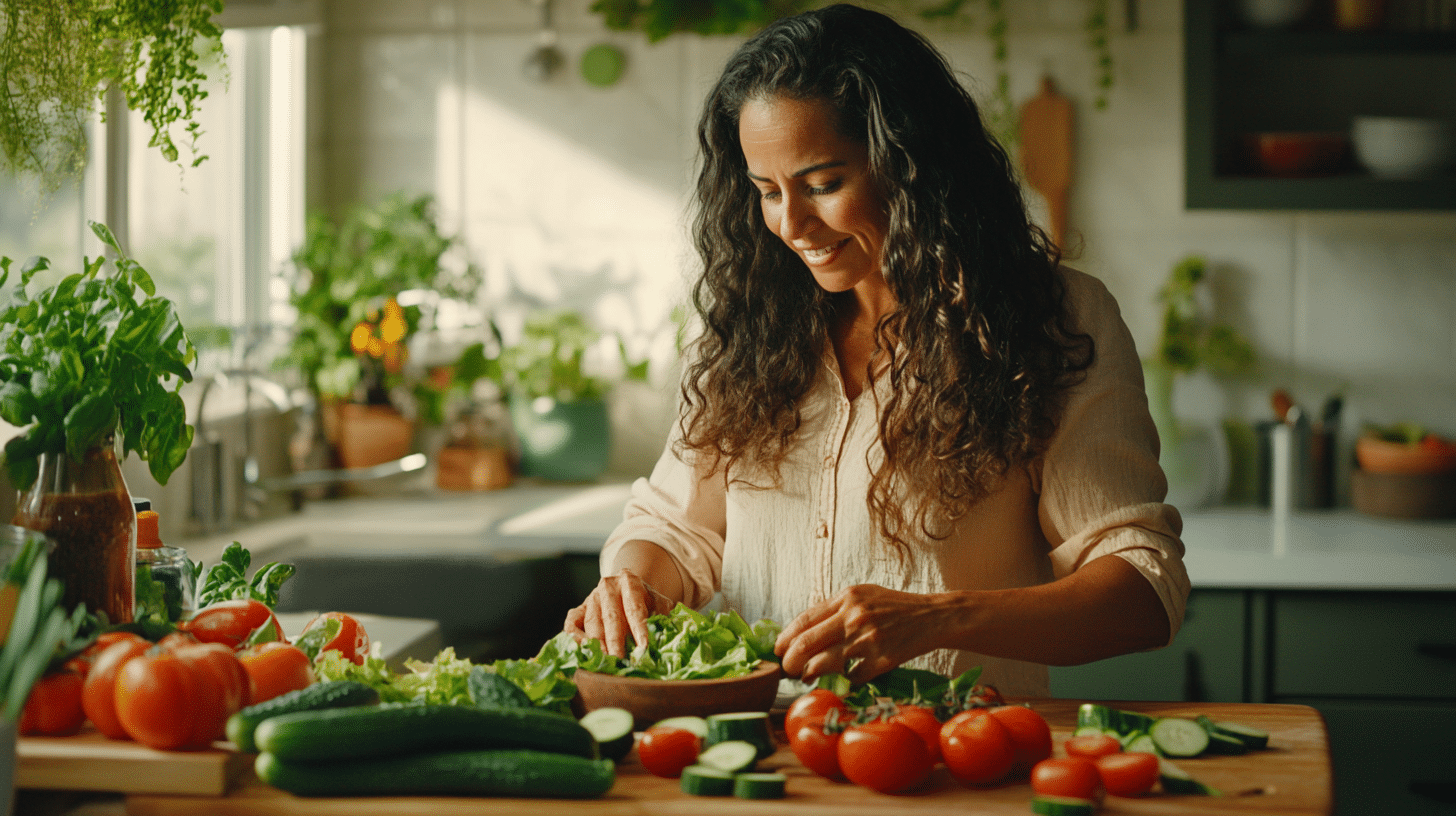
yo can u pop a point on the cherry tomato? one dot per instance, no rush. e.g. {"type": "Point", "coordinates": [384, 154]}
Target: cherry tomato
{"type": "Point", "coordinates": [276, 668]}
{"type": "Point", "coordinates": [922, 721]}
{"type": "Point", "coordinates": [666, 751]}
{"type": "Point", "coordinates": [814, 707]}
{"type": "Point", "coordinates": [818, 749]}
{"type": "Point", "coordinates": [884, 756]}
{"type": "Point", "coordinates": [351, 641]}
{"type": "Point", "coordinates": [182, 697]}
{"type": "Point", "coordinates": [1092, 746]}
{"type": "Point", "coordinates": [1073, 776]}
{"type": "Point", "coordinates": [1030, 735]}
{"type": "Point", "coordinates": [98, 693]}
{"type": "Point", "coordinates": [978, 749]}
{"type": "Point", "coordinates": [231, 623]}
{"type": "Point", "coordinates": [1129, 774]}
{"type": "Point", "coordinates": [54, 706]}
{"type": "Point", "coordinates": [955, 720]}
{"type": "Point", "coordinates": [82, 662]}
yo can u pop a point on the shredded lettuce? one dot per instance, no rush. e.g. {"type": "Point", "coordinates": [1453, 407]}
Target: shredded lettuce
{"type": "Point", "coordinates": [684, 644]}
{"type": "Point", "coordinates": [446, 679]}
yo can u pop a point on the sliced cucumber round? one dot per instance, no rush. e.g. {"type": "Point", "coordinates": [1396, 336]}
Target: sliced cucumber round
{"type": "Point", "coordinates": [747, 726]}
{"type": "Point", "coordinates": [701, 780]}
{"type": "Point", "coordinates": [733, 756]}
{"type": "Point", "coordinates": [697, 725]}
{"type": "Point", "coordinates": [1253, 738]}
{"type": "Point", "coordinates": [759, 785]}
{"type": "Point", "coordinates": [1175, 780]}
{"type": "Point", "coordinates": [1062, 806]}
{"type": "Point", "coordinates": [612, 729]}
{"type": "Point", "coordinates": [1142, 743]}
{"type": "Point", "coordinates": [1179, 737]}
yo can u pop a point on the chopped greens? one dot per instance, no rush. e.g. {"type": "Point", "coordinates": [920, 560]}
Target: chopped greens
{"type": "Point", "coordinates": [682, 645]}
{"type": "Point", "coordinates": [227, 580]}
{"type": "Point", "coordinates": [446, 679]}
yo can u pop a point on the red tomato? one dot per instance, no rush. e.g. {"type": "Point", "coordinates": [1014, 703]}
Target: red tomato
{"type": "Point", "coordinates": [54, 706]}
{"type": "Point", "coordinates": [1030, 735]}
{"type": "Point", "coordinates": [922, 721]}
{"type": "Point", "coordinates": [666, 751]}
{"type": "Point", "coordinates": [98, 693]}
{"type": "Point", "coordinates": [1092, 746]}
{"type": "Point", "coordinates": [274, 669]}
{"type": "Point", "coordinates": [817, 749]}
{"type": "Point", "coordinates": [352, 641]}
{"type": "Point", "coordinates": [977, 749]}
{"type": "Point", "coordinates": [231, 623]}
{"type": "Point", "coordinates": [813, 707]}
{"type": "Point", "coordinates": [180, 698]}
{"type": "Point", "coordinates": [1129, 774]}
{"type": "Point", "coordinates": [1073, 776]}
{"type": "Point", "coordinates": [884, 756]}
{"type": "Point", "coordinates": [82, 662]}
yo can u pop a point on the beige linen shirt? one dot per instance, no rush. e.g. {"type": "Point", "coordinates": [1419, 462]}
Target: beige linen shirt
{"type": "Point", "coordinates": [1097, 490]}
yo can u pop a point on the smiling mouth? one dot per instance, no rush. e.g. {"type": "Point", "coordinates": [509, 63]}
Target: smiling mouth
{"type": "Point", "coordinates": [823, 253]}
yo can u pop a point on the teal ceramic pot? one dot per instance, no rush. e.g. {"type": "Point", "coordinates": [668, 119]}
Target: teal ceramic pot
{"type": "Point", "coordinates": [560, 441]}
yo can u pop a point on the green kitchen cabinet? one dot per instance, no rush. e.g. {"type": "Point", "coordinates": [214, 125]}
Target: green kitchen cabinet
{"type": "Point", "coordinates": [1205, 662]}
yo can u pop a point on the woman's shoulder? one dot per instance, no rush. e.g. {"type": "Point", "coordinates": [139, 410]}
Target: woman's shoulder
{"type": "Point", "coordinates": [1088, 299]}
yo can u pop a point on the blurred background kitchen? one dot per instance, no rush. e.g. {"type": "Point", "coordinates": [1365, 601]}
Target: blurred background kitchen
{"type": "Point", "coordinates": [537, 163]}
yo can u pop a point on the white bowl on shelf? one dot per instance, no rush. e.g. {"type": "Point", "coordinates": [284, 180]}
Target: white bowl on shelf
{"type": "Point", "coordinates": [1403, 147]}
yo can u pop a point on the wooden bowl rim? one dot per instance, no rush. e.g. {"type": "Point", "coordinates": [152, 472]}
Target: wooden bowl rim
{"type": "Point", "coordinates": [765, 667]}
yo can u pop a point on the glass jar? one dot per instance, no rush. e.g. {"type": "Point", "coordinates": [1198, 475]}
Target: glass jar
{"type": "Point", "coordinates": [84, 507]}
{"type": "Point", "coordinates": [168, 566]}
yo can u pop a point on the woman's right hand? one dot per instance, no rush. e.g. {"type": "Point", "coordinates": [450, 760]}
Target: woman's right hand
{"type": "Point", "coordinates": [620, 604]}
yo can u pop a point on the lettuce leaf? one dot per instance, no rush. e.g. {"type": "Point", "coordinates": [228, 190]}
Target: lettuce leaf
{"type": "Point", "coordinates": [684, 644]}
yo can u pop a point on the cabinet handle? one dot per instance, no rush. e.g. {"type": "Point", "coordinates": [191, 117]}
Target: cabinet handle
{"type": "Point", "coordinates": [1444, 651]}
{"type": "Point", "coordinates": [1443, 792]}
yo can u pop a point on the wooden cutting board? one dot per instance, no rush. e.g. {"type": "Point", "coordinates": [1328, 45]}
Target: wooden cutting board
{"type": "Point", "coordinates": [1291, 777]}
{"type": "Point", "coordinates": [91, 762]}
{"type": "Point", "coordinates": [1046, 153]}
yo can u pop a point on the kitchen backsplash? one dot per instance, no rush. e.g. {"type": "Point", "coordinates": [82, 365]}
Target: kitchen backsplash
{"type": "Point", "coordinates": [573, 194]}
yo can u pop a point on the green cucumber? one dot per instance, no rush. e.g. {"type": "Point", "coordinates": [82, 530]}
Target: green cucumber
{"type": "Point", "coordinates": [612, 729]}
{"type": "Point", "coordinates": [1088, 731]}
{"type": "Point", "coordinates": [701, 780]}
{"type": "Point", "coordinates": [1252, 739]}
{"type": "Point", "coordinates": [1048, 805]}
{"type": "Point", "coordinates": [1113, 719]}
{"type": "Point", "coordinates": [1175, 780]}
{"type": "Point", "coordinates": [1179, 737]}
{"type": "Point", "coordinates": [376, 731]}
{"type": "Point", "coordinates": [697, 725]}
{"type": "Point", "coordinates": [746, 726]}
{"type": "Point", "coordinates": [489, 690]}
{"type": "Point", "coordinates": [759, 785]}
{"type": "Point", "coordinates": [1142, 743]}
{"type": "Point", "coordinates": [468, 773]}
{"type": "Point", "coordinates": [733, 756]}
{"type": "Point", "coordinates": [328, 694]}
{"type": "Point", "coordinates": [1221, 743]}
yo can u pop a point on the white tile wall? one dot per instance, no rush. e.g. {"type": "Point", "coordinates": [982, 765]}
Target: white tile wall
{"type": "Point", "coordinates": [572, 194]}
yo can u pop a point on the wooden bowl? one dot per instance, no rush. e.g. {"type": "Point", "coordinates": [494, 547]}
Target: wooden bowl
{"type": "Point", "coordinates": [653, 700]}
{"type": "Point", "coordinates": [1404, 495]}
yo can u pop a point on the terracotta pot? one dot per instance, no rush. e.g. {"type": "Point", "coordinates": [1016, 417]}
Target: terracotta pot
{"type": "Point", "coordinates": [472, 468]}
{"type": "Point", "coordinates": [84, 507]}
{"type": "Point", "coordinates": [372, 435]}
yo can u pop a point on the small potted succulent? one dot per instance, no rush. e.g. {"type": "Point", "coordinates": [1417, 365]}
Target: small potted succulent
{"type": "Point", "coordinates": [90, 370]}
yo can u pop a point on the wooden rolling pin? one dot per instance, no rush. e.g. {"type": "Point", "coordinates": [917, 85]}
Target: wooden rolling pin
{"type": "Point", "coordinates": [1046, 152]}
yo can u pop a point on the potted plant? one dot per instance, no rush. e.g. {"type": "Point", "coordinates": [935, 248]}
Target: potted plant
{"type": "Point", "coordinates": [350, 339]}
{"type": "Point", "coordinates": [474, 454]}
{"type": "Point", "coordinates": [90, 370]}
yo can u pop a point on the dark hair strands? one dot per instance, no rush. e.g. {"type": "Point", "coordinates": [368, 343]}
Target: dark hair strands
{"type": "Point", "coordinates": [980, 348]}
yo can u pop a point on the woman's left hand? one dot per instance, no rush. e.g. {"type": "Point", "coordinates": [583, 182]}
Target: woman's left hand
{"type": "Point", "coordinates": [882, 627]}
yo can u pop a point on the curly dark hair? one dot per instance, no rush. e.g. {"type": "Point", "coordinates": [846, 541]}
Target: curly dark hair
{"type": "Point", "coordinates": [980, 349]}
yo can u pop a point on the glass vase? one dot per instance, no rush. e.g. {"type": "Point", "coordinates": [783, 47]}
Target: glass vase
{"type": "Point", "coordinates": [85, 509]}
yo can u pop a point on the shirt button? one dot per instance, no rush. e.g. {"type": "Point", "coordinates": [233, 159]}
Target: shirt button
{"type": "Point", "coordinates": [823, 529]}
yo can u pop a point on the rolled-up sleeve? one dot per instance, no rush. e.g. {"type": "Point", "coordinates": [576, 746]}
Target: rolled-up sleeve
{"type": "Point", "coordinates": [683, 511]}
{"type": "Point", "coordinates": [1102, 490]}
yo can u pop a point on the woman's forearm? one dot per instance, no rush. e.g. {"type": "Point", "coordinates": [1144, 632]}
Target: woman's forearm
{"type": "Point", "coordinates": [1104, 609]}
{"type": "Point", "coordinates": [652, 564]}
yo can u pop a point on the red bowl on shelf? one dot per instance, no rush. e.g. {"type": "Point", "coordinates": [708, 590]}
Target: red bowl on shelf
{"type": "Point", "coordinates": [1292, 154]}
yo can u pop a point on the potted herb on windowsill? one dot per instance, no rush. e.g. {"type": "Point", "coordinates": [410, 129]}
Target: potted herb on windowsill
{"type": "Point", "coordinates": [90, 370]}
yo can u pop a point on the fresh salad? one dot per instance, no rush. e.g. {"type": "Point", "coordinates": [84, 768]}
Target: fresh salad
{"type": "Point", "coordinates": [684, 644]}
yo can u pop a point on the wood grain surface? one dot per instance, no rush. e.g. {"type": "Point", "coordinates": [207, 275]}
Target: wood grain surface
{"type": "Point", "coordinates": [91, 762]}
{"type": "Point", "coordinates": [1291, 777]}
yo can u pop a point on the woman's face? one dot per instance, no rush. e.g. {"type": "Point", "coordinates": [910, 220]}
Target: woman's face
{"type": "Point", "coordinates": [815, 189]}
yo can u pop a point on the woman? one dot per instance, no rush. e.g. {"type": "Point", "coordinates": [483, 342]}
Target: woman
{"type": "Point", "coordinates": [906, 431]}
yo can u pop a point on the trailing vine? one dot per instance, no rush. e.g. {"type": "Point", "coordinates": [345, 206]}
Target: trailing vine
{"type": "Point", "coordinates": [59, 57]}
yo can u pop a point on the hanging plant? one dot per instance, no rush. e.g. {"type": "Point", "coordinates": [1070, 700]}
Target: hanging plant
{"type": "Point", "coordinates": [660, 18]}
{"type": "Point", "coordinates": [57, 60]}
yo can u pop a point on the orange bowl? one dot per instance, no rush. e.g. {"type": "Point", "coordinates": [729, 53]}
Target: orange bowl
{"type": "Point", "coordinates": [1377, 455]}
{"type": "Point", "coordinates": [653, 700]}
{"type": "Point", "coordinates": [1297, 153]}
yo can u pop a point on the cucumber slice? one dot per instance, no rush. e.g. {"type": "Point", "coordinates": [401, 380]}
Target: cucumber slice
{"type": "Point", "coordinates": [1112, 719]}
{"type": "Point", "coordinates": [759, 785]}
{"type": "Point", "coordinates": [1253, 738]}
{"type": "Point", "coordinates": [733, 756]}
{"type": "Point", "coordinates": [1062, 806]}
{"type": "Point", "coordinates": [697, 725]}
{"type": "Point", "coordinates": [1142, 743]}
{"type": "Point", "coordinates": [1087, 731]}
{"type": "Point", "coordinates": [1221, 743]}
{"type": "Point", "coordinates": [747, 726]}
{"type": "Point", "coordinates": [1179, 737]}
{"type": "Point", "coordinates": [1175, 780]}
{"type": "Point", "coordinates": [701, 780]}
{"type": "Point", "coordinates": [612, 729]}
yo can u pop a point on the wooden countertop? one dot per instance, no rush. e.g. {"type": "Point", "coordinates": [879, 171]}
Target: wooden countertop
{"type": "Point", "coordinates": [1291, 777]}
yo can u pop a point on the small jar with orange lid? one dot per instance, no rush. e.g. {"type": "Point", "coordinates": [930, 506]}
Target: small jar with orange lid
{"type": "Point", "coordinates": [167, 566]}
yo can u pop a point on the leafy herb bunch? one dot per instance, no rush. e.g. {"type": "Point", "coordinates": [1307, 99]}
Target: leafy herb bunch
{"type": "Point", "coordinates": [87, 358]}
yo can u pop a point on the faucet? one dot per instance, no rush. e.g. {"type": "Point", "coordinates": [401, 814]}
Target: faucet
{"type": "Point", "coordinates": [209, 503]}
